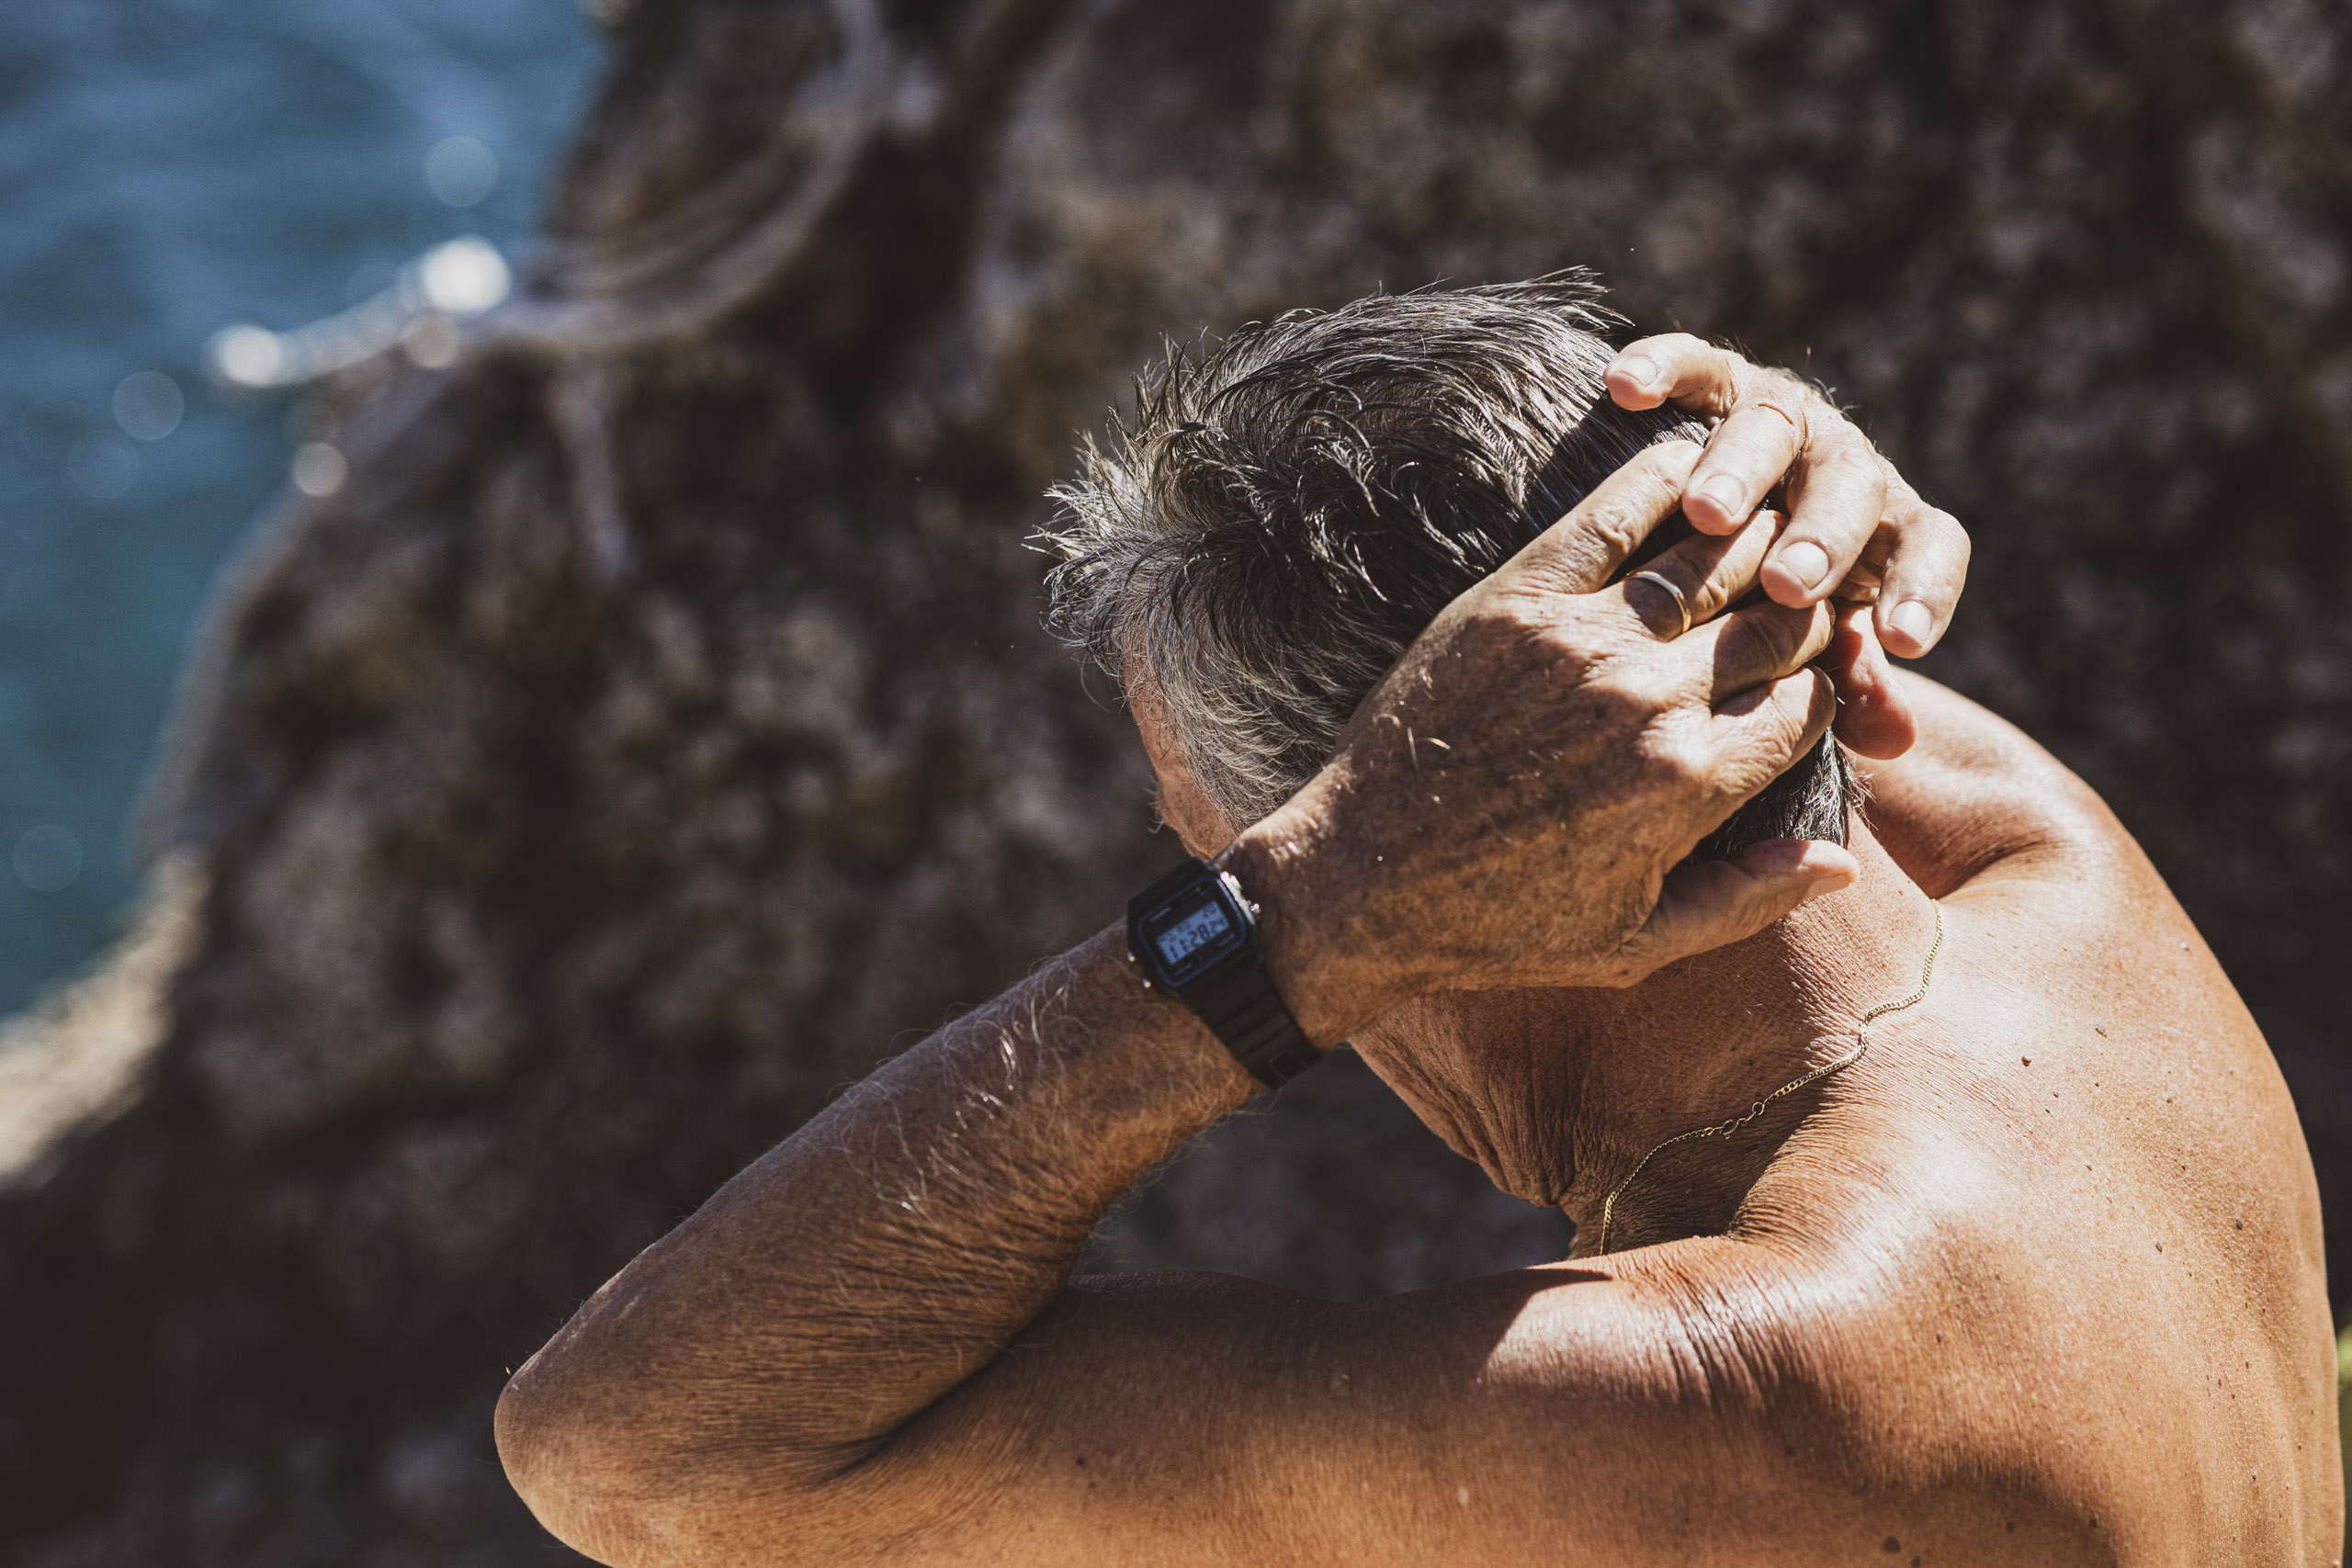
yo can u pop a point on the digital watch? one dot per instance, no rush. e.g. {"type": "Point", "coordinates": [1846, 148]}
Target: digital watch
{"type": "Point", "coordinates": [1194, 935]}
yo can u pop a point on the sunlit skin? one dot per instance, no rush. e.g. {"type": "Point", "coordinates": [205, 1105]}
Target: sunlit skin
{"type": "Point", "coordinates": [2037, 1280]}
{"type": "Point", "coordinates": [2051, 1252]}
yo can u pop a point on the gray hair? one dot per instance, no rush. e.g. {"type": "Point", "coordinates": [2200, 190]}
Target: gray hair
{"type": "Point", "coordinates": [1292, 506]}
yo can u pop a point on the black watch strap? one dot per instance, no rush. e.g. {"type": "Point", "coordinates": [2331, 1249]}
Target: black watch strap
{"type": "Point", "coordinates": [1247, 1013]}
{"type": "Point", "coordinates": [1234, 996]}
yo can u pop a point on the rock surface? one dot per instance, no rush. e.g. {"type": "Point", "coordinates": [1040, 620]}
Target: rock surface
{"type": "Point", "coordinates": [656, 729]}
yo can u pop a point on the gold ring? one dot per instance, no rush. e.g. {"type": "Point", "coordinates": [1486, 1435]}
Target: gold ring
{"type": "Point", "coordinates": [1674, 589]}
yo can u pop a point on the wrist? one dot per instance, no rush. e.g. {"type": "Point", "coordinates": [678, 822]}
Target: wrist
{"type": "Point", "coordinates": [1309, 926]}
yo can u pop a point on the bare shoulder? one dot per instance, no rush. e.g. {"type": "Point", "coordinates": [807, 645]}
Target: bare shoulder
{"type": "Point", "coordinates": [1978, 800]}
{"type": "Point", "coordinates": [2018, 1331]}
{"type": "Point", "coordinates": [1706, 1401]}
{"type": "Point", "coordinates": [2064, 1231]}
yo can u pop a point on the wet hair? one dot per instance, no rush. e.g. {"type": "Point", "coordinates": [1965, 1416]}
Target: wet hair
{"type": "Point", "coordinates": [1289, 507]}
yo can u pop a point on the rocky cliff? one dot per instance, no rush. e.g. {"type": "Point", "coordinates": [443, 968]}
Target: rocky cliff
{"type": "Point", "coordinates": [657, 728]}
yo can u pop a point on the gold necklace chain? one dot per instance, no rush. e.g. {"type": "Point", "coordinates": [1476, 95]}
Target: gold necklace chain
{"type": "Point", "coordinates": [1724, 1129]}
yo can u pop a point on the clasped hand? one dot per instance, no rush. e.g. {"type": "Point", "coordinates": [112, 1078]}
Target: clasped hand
{"type": "Point", "coordinates": [1510, 805]}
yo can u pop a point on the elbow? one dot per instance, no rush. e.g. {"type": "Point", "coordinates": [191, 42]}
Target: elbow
{"type": "Point", "coordinates": [598, 1480]}
{"type": "Point", "coordinates": [561, 1465]}
{"type": "Point", "coordinates": [529, 1438]}
{"type": "Point", "coordinates": [619, 1481]}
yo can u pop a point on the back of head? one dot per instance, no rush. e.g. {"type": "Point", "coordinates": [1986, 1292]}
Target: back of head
{"type": "Point", "coordinates": [1291, 509]}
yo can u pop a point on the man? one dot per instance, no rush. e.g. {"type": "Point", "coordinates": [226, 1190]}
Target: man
{"type": "Point", "coordinates": [1956, 1216]}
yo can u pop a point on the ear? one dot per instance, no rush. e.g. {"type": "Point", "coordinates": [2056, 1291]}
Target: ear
{"type": "Point", "coordinates": [1182, 805]}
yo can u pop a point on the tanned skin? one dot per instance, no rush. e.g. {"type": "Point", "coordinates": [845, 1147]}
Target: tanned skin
{"type": "Point", "coordinates": [2037, 1280]}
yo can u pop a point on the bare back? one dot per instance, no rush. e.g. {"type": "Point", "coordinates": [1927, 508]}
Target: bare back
{"type": "Point", "coordinates": [2037, 1280]}
{"type": "Point", "coordinates": [2076, 1193]}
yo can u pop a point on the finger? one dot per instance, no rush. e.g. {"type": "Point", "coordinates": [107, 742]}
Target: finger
{"type": "Point", "coordinates": [1750, 647]}
{"type": "Point", "coordinates": [1716, 903]}
{"type": "Point", "coordinates": [1706, 574]}
{"type": "Point", "coordinates": [1678, 368]}
{"type": "Point", "coordinates": [1749, 454]}
{"type": "Point", "coordinates": [1837, 496]}
{"type": "Point", "coordinates": [1759, 735]}
{"type": "Point", "coordinates": [1874, 715]}
{"type": "Point", "coordinates": [1924, 573]}
{"type": "Point", "coordinates": [1583, 550]}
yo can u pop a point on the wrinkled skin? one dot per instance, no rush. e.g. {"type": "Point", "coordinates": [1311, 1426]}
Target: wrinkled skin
{"type": "Point", "coordinates": [2041, 1279]}
{"type": "Point", "coordinates": [2037, 1280]}
{"type": "Point", "coordinates": [1445, 852]}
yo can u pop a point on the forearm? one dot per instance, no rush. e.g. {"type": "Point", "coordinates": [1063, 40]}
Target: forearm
{"type": "Point", "coordinates": [875, 1258]}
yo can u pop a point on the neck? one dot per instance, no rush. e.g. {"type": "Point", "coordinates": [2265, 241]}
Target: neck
{"type": "Point", "coordinates": [1560, 1093]}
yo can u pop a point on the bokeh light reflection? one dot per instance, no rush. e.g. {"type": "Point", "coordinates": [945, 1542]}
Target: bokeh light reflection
{"type": "Point", "coordinates": [102, 465]}
{"type": "Point", "coordinates": [460, 171]}
{"type": "Point", "coordinates": [318, 469]}
{"type": "Point", "coordinates": [48, 858]}
{"type": "Point", "coordinates": [148, 405]}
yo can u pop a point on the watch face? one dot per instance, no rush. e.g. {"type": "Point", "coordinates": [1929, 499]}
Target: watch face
{"type": "Point", "coordinates": [1191, 931]}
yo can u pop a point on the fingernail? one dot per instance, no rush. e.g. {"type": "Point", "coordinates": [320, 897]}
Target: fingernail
{"type": "Point", "coordinates": [1913, 620]}
{"type": "Point", "coordinates": [1828, 879]}
{"type": "Point", "coordinates": [1807, 562]}
{"type": "Point", "coordinates": [1641, 369]}
{"type": "Point", "coordinates": [1726, 492]}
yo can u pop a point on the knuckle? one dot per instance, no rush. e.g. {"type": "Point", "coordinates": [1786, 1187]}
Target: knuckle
{"type": "Point", "coordinates": [1900, 490]}
{"type": "Point", "coordinates": [1930, 560]}
{"type": "Point", "coordinates": [1520, 644]}
{"type": "Point", "coordinates": [1956, 539]}
{"type": "Point", "coordinates": [1789, 735]}
{"type": "Point", "coordinates": [1781, 393]}
{"type": "Point", "coordinates": [1842, 441]}
{"type": "Point", "coordinates": [1585, 561]}
{"type": "Point", "coordinates": [1653, 686]}
{"type": "Point", "coordinates": [1617, 517]}
{"type": "Point", "coordinates": [1810, 632]}
{"type": "Point", "coordinates": [1777, 638]}
{"type": "Point", "coordinates": [1636, 687]}
{"type": "Point", "coordinates": [1555, 643]}
{"type": "Point", "coordinates": [1677, 347]}
{"type": "Point", "coordinates": [1771, 748]}
{"type": "Point", "coordinates": [1870, 484]}
{"type": "Point", "coordinates": [1662, 466]}
{"type": "Point", "coordinates": [1514, 620]}
{"type": "Point", "coordinates": [1588, 646]}
{"type": "Point", "coordinates": [1852, 491]}
{"type": "Point", "coordinates": [1746, 441]}
{"type": "Point", "coordinates": [1738, 776]}
{"type": "Point", "coordinates": [1677, 762]}
{"type": "Point", "coordinates": [1611, 527]}
{"type": "Point", "coordinates": [1791, 714]}
{"type": "Point", "coordinates": [1842, 455]}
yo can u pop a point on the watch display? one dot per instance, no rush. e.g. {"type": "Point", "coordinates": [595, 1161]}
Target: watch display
{"type": "Point", "coordinates": [1192, 932]}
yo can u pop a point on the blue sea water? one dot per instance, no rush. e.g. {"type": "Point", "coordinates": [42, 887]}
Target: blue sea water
{"type": "Point", "coordinates": [168, 167]}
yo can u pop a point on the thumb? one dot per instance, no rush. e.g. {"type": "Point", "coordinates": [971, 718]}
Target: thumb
{"type": "Point", "coordinates": [1874, 717]}
{"type": "Point", "coordinates": [1714, 904]}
